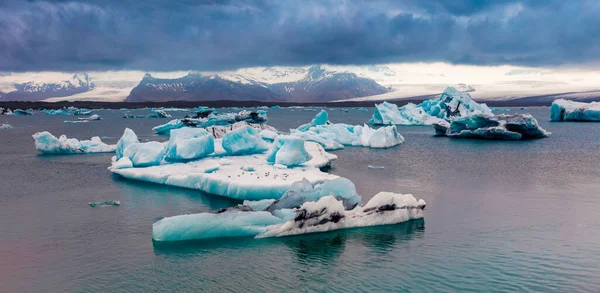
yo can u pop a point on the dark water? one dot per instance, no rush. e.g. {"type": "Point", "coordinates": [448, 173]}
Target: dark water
{"type": "Point", "coordinates": [501, 216]}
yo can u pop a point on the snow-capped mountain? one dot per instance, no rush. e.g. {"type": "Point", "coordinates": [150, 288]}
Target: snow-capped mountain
{"type": "Point", "coordinates": [198, 87]}
{"type": "Point", "coordinates": [314, 84]}
{"type": "Point", "coordinates": [35, 91]}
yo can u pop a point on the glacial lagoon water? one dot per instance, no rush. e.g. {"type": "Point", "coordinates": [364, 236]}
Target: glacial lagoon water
{"type": "Point", "coordinates": [500, 216]}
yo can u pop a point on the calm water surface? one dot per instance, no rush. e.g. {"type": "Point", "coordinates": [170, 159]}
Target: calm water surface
{"type": "Point", "coordinates": [501, 216]}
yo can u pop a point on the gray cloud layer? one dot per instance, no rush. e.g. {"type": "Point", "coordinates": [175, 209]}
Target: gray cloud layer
{"type": "Point", "coordinates": [163, 35]}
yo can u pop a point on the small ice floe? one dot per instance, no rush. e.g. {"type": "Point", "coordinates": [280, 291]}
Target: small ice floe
{"type": "Point", "coordinates": [6, 126]}
{"type": "Point", "coordinates": [104, 203]}
{"type": "Point", "coordinates": [375, 167]}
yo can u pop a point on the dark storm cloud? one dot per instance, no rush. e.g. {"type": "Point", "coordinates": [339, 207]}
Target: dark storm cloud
{"type": "Point", "coordinates": [163, 35]}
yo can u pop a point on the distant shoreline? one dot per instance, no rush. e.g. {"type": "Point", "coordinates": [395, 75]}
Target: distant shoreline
{"type": "Point", "coordinates": [520, 102]}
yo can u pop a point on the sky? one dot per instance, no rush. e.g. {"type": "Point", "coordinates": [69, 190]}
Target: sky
{"type": "Point", "coordinates": [213, 35]}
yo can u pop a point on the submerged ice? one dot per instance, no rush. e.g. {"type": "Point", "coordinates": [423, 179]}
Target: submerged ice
{"type": "Point", "coordinates": [451, 104]}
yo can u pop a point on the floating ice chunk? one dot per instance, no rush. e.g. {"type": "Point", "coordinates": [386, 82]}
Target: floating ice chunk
{"type": "Point", "coordinates": [129, 137]}
{"type": "Point", "coordinates": [91, 118]}
{"type": "Point", "coordinates": [145, 154]}
{"type": "Point", "coordinates": [328, 214]}
{"type": "Point", "coordinates": [19, 112]}
{"type": "Point", "coordinates": [362, 110]}
{"type": "Point", "coordinates": [104, 203]}
{"type": "Point", "coordinates": [82, 112]}
{"type": "Point", "coordinates": [244, 141]}
{"type": "Point", "coordinates": [335, 136]}
{"type": "Point", "coordinates": [375, 167]}
{"type": "Point", "coordinates": [500, 127]}
{"type": "Point", "coordinates": [229, 180]}
{"type": "Point", "coordinates": [564, 110]}
{"type": "Point", "coordinates": [320, 119]}
{"type": "Point", "coordinates": [220, 131]}
{"type": "Point", "coordinates": [189, 144]}
{"type": "Point", "coordinates": [129, 115]}
{"type": "Point", "coordinates": [5, 126]}
{"type": "Point", "coordinates": [451, 104]}
{"type": "Point", "coordinates": [5, 111]}
{"type": "Point", "coordinates": [47, 143]}
{"type": "Point", "coordinates": [159, 114]}
{"type": "Point", "coordinates": [258, 117]}
{"type": "Point", "coordinates": [210, 225]}
{"type": "Point", "coordinates": [275, 107]}
{"type": "Point", "coordinates": [75, 121]}
{"type": "Point", "coordinates": [288, 151]}
{"type": "Point", "coordinates": [56, 112]}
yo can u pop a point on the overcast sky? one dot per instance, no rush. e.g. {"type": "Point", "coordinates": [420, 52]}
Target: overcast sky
{"type": "Point", "coordinates": [169, 35]}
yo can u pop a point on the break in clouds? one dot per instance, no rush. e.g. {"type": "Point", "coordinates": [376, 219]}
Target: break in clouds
{"type": "Point", "coordinates": [164, 35]}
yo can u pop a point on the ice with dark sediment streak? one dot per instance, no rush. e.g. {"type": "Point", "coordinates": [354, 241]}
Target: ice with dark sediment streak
{"type": "Point", "coordinates": [47, 143]}
{"type": "Point", "coordinates": [451, 104]}
{"type": "Point", "coordinates": [6, 126]}
{"type": "Point", "coordinates": [326, 213]}
{"type": "Point", "coordinates": [565, 110]}
{"type": "Point", "coordinates": [333, 136]}
{"type": "Point", "coordinates": [212, 119]}
{"type": "Point", "coordinates": [500, 127]}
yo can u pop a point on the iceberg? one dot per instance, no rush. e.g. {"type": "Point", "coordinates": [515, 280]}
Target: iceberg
{"type": "Point", "coordinates": [451, 104]}
{"type": "Point", "coordinates": [6, 126]}
{"type": "Point", "coordinates": [92, 117]}
{"type": "Point", "coordinates": [56, 112]}
{"type": "Point", "coordinates": [47, 143]}
{"type": "Point", "coordinates": [333, 136]}
{"type": "Point", "coordinates": [145, 154]}
{"type": "Point", "coordinates": [75, 121]}
{"type": "Point", "coordinates": [220, 131]}
{"type": "Point", "coordinates": [212, 119]}
{"type": "Point", "coordinates": [212, 225]}
{"type": "Point", "coordinates": [328, 213]}
{"type": "Point", "coordinates": [159, 114]}
{"type": "Point", "coordinates": [189, 144]}
{"type": "Point", "coordinates": [320, 119]}
{"type": "Point", "coordinates": [128, 138]}
{"type": "Point", "coordinates": [323, 214]}
{"type": "Point", "coordinates": [565, 110]}
{"type": "Point", "coordinates": [82, 112]}
{"type": "Point", "coordinates": [500, 127]}
{"type": "Point", "coordinates": [5, 111]}
{"type": "Point", "coordinates": [19, 112]}
{"type": "Point", "coordinates": [244, 141]}
{"type": "Point", "coordinates": [288, 151]}
{"type": "Point", "coordinates": [129, 115]}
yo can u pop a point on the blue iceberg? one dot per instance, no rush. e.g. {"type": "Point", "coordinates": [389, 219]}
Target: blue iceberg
{"type": "Point", "coordinates": [244, 141]}
{"type": "Point", "coordinates": [500, 127]}
{"type": "Point", "coordinates": [288, 151]}
{"type": "Point", "coordinates": [451, 104]}
{"type": "Point", "coordinates": [189, 144]}
{"type": "Point", "coordinates": [128, 138]}
{"type": "Point", "coordinates": [47, 143]}
{"type": "Point", "coordinates": [145, 154]}
{"type": "Point", "coordinates": [320, 119]}
{"type": "Point", "coordinates": [564, 110]}
{"type": "Point", "coordinates": [19, 112]}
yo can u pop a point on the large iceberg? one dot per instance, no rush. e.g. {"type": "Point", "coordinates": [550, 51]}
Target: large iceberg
{"type": "Point", "coordinates": [189, 144]}
{"type": "Point", "coordinates": [47, 143]}
{"type": "Point", "coordinates": [500, 127]}
{"type": "Point", "coordinates": [333, 136]}
{"type": "Point", "coordinates": [564, 110]}
{"type": "Point", "coordinates": [451, 104]}
{"type": "Point", "coordinates": [213, 119]}
{"type": "Point", "coordinates": [145, 154]}
{"type": "Point", "coordinates": [324, 213]}
{"type": "Point", "coordinates": [244, 141]}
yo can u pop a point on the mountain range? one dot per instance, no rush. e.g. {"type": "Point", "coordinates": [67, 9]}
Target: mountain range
{"type": "Point", "coordinates": [315, 84]}
{"type": "Point", "coordinates": [36, 91]}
